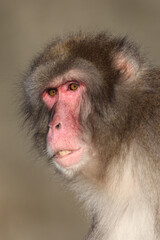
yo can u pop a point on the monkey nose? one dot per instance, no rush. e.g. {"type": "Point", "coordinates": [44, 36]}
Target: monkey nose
{"type": "Point", "coordinates": [58, 126]}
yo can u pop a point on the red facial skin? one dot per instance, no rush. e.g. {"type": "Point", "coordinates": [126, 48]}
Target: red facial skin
{"type": "Point", "coordinates": [64, 126]}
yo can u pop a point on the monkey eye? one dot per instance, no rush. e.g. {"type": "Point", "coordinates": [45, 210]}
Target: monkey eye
{"type": "Point", "coordinates": [73, 86]}
{"type": "Point", "coordinates": [52, 91]}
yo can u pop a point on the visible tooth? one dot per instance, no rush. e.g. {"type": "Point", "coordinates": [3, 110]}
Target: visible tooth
{"type": "Point", "coordinates": [63, 153]}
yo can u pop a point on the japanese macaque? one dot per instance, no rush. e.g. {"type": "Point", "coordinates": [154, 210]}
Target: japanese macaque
{"type": "Point", "coordinates": [94, 106]}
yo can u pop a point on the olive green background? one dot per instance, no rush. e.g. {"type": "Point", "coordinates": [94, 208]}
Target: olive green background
{"type": "Point", "coordinates": [33, 203]}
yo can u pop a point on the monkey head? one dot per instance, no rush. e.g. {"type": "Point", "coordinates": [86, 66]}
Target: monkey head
{"type": "Point", "coordinates": [77, 97]}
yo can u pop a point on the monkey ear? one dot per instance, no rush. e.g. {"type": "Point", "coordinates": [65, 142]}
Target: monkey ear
{"type": "Point", "coordinates": [125, 61]}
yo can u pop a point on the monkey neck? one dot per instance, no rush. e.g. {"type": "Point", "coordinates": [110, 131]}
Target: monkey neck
{"type": "Point", "coordinates": [124, 220]}
{"type": "Point", "coordinates": [128, 216]}
{"type": "Point", "coordinates": [122, 208]}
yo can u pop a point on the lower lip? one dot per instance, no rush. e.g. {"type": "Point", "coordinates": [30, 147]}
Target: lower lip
{"type": "Point", "coordinates": [69, 159]}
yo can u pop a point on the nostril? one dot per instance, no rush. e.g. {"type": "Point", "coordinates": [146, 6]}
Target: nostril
{"type": "Point", "coordinates": [58, 126]}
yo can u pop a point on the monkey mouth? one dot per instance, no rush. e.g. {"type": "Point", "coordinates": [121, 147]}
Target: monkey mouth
{"type": "Point", "coordinates": [67, 158]}
{"type": "Point", "coordinates": [62, 153]}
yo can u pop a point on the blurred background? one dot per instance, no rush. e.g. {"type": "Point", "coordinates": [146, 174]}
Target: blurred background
{"type": "Point", "coordinates": [34, 205]}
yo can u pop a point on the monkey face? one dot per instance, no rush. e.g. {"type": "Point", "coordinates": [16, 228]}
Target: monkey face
{"type": "Point", "coordinates": [74, 93]}
{"type": "Point", "coordinates": [65, 141]}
